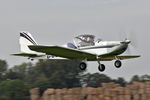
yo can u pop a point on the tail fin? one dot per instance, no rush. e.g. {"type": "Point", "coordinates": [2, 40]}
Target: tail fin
{"type": "Point", "coordinates": [25, 40]}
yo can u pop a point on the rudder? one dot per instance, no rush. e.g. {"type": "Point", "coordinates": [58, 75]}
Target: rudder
{"type": "Point", "coordinates": [25, 40]}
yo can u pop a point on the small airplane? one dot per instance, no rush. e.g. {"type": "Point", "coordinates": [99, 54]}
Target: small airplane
{"type": "Point", "coordinates": [84, 48]}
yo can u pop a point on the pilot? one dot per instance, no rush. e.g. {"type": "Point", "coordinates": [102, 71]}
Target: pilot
{"type": "Point", "coordinates": [85, 38]}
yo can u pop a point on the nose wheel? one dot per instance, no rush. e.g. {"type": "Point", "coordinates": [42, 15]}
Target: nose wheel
{"type": "Point", "coordinates": [117, 63]}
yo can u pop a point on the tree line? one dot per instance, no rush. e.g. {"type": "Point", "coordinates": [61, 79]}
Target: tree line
{"type": "Point", "coordinates": [15, 82]}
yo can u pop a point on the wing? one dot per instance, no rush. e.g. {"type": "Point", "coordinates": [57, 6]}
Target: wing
{"type": "Point", "coordinates": [109, 58]}
{"type": "Point", "coordinates": [63, 52]}
{"type": "Point", "coordinates": [75, 54]}
{"type": "Point", "coordinates": [25, 55]}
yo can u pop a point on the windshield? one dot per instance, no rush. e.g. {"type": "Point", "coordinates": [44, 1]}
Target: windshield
{"type": "Point", "coordinates": [84, 40]}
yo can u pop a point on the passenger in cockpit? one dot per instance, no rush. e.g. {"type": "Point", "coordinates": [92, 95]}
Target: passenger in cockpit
{"type": "Point", "coordinates": [85, 40]}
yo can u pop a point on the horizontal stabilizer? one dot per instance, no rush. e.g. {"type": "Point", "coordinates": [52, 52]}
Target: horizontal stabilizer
{"type": "Point", "coordinates": [25, 55]}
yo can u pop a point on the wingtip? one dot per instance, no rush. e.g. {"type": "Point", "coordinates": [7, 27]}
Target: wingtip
{"type": "Point", "coordinates": [139, 55]}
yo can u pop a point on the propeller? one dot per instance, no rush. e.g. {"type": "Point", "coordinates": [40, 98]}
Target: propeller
{"type": "Point", "coordinates": [130, 38]}
{"type": "Point", "coordinates": [133, 38]}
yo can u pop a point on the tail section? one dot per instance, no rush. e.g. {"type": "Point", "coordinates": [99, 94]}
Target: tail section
{"type": "Point", "coordinates": [25, 40]}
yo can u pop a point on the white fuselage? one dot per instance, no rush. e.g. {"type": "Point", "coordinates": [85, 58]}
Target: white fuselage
{"type": "Point", "coordinates": [102, 47]}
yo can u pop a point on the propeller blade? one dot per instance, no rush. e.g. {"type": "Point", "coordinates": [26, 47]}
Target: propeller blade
{"type": "Point", "coordinates": [133, 39]}
{"type": "Point", "coordinates": [129, 37]}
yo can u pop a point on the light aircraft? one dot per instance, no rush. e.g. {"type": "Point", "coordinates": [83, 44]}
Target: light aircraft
{"type": "Point", "coordinates": [84, 48]}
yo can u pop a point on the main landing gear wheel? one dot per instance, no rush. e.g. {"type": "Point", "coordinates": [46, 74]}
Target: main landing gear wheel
{"type": "Point", "coordinates": [83, 66]}
{"type": "Point", "coordinates": [101, 67]}
{"type": "Point", "coordinates": [117, 63]}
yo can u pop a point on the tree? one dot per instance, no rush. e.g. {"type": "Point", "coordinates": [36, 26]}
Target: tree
{"type": "Point", "coordinates": [3, 66]}
{"type": "Point", "coordinates": [145, 78]}
{"type": "Point", "coordinates": [121, 81]}
{"type": "Point", "coordinates": [62, 73]}
{"type": "Point", "coordinates": [42, 83]}
{"type": "Point", "coordinates": [14, 89]}
{"type": "Point", "coordinates": [54, 74]}
{"type": "Point", "coordinates": [135, 78]}
{"type": "Point", "coordinates": [94, 80]}
{"type": "Point", "coordinates": [3, 69]}
{"type": "Point", "coordinates": [18, 71]}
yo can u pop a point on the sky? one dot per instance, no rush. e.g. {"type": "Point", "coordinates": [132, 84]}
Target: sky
{"type": "Point", "coordinates": [58, 21]}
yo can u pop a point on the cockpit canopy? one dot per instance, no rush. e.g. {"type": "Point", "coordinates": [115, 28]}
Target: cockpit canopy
{"type": "Point", "coordinates": [84, 40]}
